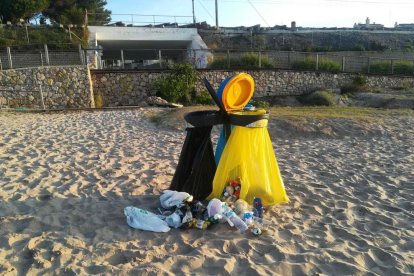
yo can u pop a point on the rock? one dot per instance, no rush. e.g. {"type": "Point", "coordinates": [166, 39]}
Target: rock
{"type": "Point", "coordinates": [40, 77]}
{"type": "Point", "coordinates": [153, 100]}
{"type": "Point", "coordinates": [3, 101]}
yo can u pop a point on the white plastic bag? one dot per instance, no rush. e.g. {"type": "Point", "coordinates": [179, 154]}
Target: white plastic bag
{"type": "Point", "coordinates": [144, 220]}
{"type": "Point", "coordinates": [171, 199]}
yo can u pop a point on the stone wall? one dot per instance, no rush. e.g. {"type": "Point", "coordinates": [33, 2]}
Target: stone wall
{"type": "Point", "coordinates": [132, 87]}
{"type": "Point", "coordinates": [291, 83]}
{"type": "Point", "coordinates": [71, 86]}
{"type": "Point", "coordinates": [120, 88]}
{"type": "Point", "coordinates": [62, 87]}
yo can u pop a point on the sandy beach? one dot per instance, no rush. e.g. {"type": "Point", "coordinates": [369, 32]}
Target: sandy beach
{"type": "Point", "coordinates": [65, 178]}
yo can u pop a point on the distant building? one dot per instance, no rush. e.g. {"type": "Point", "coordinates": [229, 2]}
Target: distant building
{"type": "Point", "coordinates": [404, 27]}
{"type": "Point", "coordinates": [368, 26]}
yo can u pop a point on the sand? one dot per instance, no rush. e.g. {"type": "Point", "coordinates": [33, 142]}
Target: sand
{"type": "Point", "coordinates": [66, 177]}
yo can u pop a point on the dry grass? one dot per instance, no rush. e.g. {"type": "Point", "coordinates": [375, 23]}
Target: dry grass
{"type": "Point", "coordinates": [175, 117]}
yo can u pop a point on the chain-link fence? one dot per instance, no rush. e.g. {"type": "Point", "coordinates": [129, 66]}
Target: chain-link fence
{"type": "Point", "coordinates": [13, 57]}
{"type": "Point", "coordinates": [352, 62]}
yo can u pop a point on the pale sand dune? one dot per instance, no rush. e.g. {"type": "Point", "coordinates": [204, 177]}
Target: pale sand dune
{"type": "Point", "coordinates": [66, 177]}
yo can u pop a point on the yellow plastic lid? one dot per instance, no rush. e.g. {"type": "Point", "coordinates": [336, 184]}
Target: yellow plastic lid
{"type": "Point", "coordinates": [238, 91]}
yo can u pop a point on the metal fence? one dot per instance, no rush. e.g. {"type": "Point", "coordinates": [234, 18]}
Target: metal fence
{"type": "Point", "coordinates": [11, 58]}
{"type": "Point", "coordinates": [351, 62]}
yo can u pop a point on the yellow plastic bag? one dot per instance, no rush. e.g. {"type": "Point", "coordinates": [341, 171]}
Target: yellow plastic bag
{"type": "Point", "coordinates": [249, 154]}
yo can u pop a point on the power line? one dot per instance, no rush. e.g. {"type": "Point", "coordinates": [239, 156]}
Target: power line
{"type": "Point", "coordinates": [205, 9]}
{"type": "Point", "coordinates": [264, 20]}
{"type": "Point", "coordinates": [273, 2]}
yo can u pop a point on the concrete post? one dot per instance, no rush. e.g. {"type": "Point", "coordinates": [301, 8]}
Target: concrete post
{"type": "Point", "coordinates": [41, 58]}
{"type": "Point", "coordinates": [47, 55]}
{"type": "Point", "coordinates": [160, 58]}
{"type": "Point", "coordinates": [228, 59]}
{"type": "Point", "coordinates": [1, 65]}
{"type": "Point", "coordinates": [343, 64]}
{"type": "Point", "coordinates": [260, 59]}
{"type": "Point", "coordinates": [122, 59]}
{"type": "Point", "coordinates": [317, 62]}
{"type": "Point", "coordinates": [9, 57]}
{"type": "Point", "coordinates": [41, 97]}
{"type": "Point", "coordinates": [80, 54]}
{"type": "Point", "coordinates": [27, 33]}
{"type": "Point", "coordinates": [289, 65]}
{"type": "Point", "coordinates": [369, 64]}
{"type": "Point", "coordinates": [85, 56]}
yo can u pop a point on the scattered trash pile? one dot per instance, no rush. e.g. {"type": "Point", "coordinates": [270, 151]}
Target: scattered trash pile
{"type": "Point", "coordinates": [180, 210]}
{"type": "Point", "coordinates": [243, 170]}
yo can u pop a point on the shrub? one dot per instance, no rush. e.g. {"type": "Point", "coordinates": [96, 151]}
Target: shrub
{"type": "Point", "coordinates": [403, 67]}
{"type": "Point", "coordinates": [405, 86]}
{"type": "Point", "coordinates": [385, 67]}
{"type": "Point", "coordinates": [178, 85]}
{"type": "Point", "coordinates": [360, 80]}
{"type": "Point", "coordinates": [203, 98]}
{"type": "Point", "coordinates": [325, 65]}
{"type": "Point", "coordinates": [319, 98]}
{"type": "Point", "coordinates": [358, 83]}
{"type": "Point", "coordinates": [260, 103]}
{"type": "Point", "coordinates": [329, 66]}
{"type": "Point", "coordinates": [307, 64]}
{"type": "Point", "coordinates": [380, 67]}
{"type": "Point", "coordinates": [247, 60]}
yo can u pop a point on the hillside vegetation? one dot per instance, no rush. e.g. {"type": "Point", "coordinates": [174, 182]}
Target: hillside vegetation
{"type": "Point", "coordinates": [316, 41]}
{"type": "Point", "coordinates": [54, 37]}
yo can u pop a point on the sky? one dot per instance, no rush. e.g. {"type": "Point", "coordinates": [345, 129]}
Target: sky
{"type": "Point", "coordinates": [306, 13]}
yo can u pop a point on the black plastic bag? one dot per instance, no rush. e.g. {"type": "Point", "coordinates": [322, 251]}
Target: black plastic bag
{"type": "Point", "coordinates": [196, 167]}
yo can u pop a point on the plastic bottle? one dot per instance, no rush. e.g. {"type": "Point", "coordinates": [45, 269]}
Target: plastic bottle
{"type": "Point", "coordinates": [233, 219]}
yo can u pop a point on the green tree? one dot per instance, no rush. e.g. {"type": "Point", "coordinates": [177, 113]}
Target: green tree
{"type": "Point", "coordinates": [13, 10]}
{"type": "Point", "coordinates": [73, 12]}
{"type": "Point", "coordinates": [97, 14]}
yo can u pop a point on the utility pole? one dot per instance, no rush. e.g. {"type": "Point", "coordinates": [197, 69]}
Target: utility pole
{"type": "Point", "coordinates": [194, 21]}
{"type": "Point", "coordinates": [217, 25]}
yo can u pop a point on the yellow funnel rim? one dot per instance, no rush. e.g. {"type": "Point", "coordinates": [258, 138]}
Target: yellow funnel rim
{"type": "Point", "coordinates": [238, 92]}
